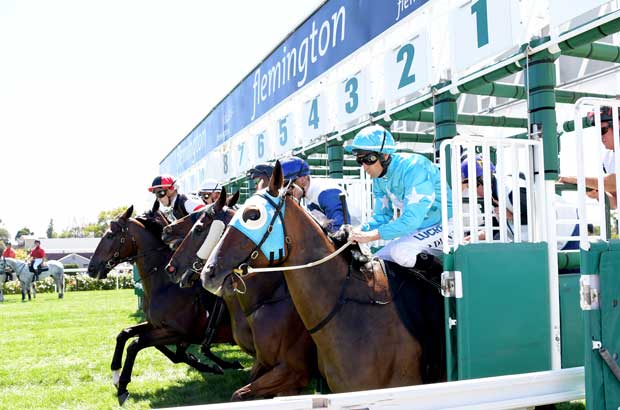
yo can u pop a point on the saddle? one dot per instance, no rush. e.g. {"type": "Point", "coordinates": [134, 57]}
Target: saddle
{"type": "Point", "coordinates": [41, 268]}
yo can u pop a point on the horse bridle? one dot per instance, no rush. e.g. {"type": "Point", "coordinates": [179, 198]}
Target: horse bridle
{"type": "Point", "coordinates": [116, 259]}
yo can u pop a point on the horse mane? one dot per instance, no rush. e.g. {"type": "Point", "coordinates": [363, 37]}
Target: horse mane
{"type": "Point", "coordinates": [150, 223]}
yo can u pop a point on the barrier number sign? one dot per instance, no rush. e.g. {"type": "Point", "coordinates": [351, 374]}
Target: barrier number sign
{"type": "Point", "coordinates": [407, 68]}
{"type": "Point", "coordinates": [285, 132]}
{"type": "Point", "coordinates": [314, 118]}
{"type": "Point", "coordinates": [353, 95]}
{"type": "Point", "coordinates": [484, 29]}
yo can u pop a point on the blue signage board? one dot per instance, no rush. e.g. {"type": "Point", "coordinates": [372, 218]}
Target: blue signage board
{"type": "Point", "coordinates": [334, 31]}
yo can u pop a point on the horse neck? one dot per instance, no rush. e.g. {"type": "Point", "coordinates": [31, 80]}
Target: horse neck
{"type": "Point", "coordinates": [259, 289]}
{"type": "Point", "coordinates": [150, 259]}
{"type": "Point", "coordinates": [314, 290]}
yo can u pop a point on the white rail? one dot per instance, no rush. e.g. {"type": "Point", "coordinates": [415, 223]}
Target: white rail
{"type": "Point", "coordinates": [499, 393]}
{"type": "Point", "coordinates": [582, 106]}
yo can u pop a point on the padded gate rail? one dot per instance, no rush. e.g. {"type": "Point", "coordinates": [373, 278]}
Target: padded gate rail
{"type": "Point", "coordinates": [502, 321]}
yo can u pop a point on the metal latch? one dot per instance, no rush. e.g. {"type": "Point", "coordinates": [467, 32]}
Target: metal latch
{"type": "Point", "coordinates": [589, 291]}
{"type": "Point", "coordinates": [451, 284]}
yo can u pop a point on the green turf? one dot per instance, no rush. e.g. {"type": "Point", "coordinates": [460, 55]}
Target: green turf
{"type": "Point", "coordinates": [56, 354]}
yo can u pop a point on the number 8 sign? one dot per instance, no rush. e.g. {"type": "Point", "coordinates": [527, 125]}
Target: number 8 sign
{"type": "Point", "coordinates": [407, 68]}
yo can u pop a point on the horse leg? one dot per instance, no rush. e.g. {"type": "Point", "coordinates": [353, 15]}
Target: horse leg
{"type": "Point", "coordinates": [152, 337]}
{"type": "Point", "coordinates": [60, 286]}
{"type": "Point", "coordinates": [206, 350]}
{"type": "Point", "coordinates": [278, 381]}
{"type": "Point", "coordinates": [121, 339]}
{"type": "Point", "coordinates": [181, 356]}
{"type": "Point", "coordinates": [34, 291]}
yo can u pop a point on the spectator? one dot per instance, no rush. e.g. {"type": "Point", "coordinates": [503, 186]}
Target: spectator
{"type": "Point", "coordinates": [8, 251]}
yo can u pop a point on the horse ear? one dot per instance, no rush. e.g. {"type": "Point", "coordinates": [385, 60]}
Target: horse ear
{"type": "Point", "coordinates": [221, 201]}
{"type": "Point", "coordinates": [127, 213]}
{"type": "Point", "coordinates": [232, 201]}
{"type": "Point", "coordinates": [276, 180]}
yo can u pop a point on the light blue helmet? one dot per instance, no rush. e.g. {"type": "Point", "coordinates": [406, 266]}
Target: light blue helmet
{"type": "Point", "coordinates": [373, 138]}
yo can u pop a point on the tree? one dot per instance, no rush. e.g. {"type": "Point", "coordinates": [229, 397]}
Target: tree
{"type": "Point", "coordinates": [50, 230]}
{"type": "Point", "coordinates": [22, 232]}
{"type": "Point", "coordinates": [4, 235]}
{"type": "Point", "coordinates": [94, 229]}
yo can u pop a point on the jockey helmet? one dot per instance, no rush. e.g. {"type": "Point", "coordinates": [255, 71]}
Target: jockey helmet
{"type": "Point", "coordinates": [294, 167]}
{"type": "Point", "coordinates": [373, 138]}
{"type": "Point", "coordinates": [162, 182]}
{"type": "Point", "coordinates": [260, 170]}
{"type": "Point", "coordinates": [479, 171]}
{"type": "Point", "coordinates": [209, 186]}
{"type": "Point", "coordinates": [606, 114]}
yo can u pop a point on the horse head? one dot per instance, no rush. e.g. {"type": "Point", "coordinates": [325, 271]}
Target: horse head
{"type": "Point", "coordinates": [115, 246]}
{"type": "Point", "coordinates": [174, 233]}
{"type": "Point", "coordinates": [188, 260]}
{"type": "Point", "coordinates": [255, 236]}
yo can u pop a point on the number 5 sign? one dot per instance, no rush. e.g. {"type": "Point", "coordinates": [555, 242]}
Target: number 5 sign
{"type": "Point", "coordinates": [481, 29]}
{"type": "Point", "coordinates": [407, 68]}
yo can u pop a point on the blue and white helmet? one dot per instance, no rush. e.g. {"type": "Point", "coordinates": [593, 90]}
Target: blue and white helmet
{"type": "Point", "coordinates": [294, 167]}
{"type": "Point", "coordinates": [373, 138]}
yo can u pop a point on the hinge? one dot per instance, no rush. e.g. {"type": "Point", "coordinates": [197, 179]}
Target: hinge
{"type": "Point", "coordinates": [451, 284]}
{"type": "Point", "coordinates": [596, 345]}
{"type": "Point", "coordinates": [589, 290]}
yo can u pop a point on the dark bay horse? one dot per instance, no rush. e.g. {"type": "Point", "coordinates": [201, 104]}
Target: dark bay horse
{"type": "Point", "coordinates": [361, 345]}
{"type": "Point", "coordinates": [285, 353]}
{"type": "Point", "coordinates": [174, 316]}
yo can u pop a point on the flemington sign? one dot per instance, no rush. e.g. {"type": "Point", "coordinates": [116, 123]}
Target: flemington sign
{"type": "Point", "coordinates": [332, 33]}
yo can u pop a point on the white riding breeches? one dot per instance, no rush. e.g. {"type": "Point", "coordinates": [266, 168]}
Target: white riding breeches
{"type": "Point", "coordinates": [37, 262]}
{"type": "Point", "coordinates": [404, 250]}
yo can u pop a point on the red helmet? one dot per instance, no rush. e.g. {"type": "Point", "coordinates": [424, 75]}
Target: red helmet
{"type": "Point", "coordinates": [162, 182]}
{"type": "Point", "coordinates": [607, 114]}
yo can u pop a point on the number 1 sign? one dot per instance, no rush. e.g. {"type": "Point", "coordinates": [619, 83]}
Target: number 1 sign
{"type": "Point", "coordinates": [482, 29]}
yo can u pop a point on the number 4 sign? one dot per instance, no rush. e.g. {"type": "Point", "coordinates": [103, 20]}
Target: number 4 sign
{"type": "Point", "coordinates": [482, 29]}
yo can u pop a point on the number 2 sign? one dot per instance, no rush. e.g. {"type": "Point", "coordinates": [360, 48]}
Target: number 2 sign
{"type": "Point", "coordinates": [407, 68]}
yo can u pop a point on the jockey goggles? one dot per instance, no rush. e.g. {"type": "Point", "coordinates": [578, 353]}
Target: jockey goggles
{"type": "Point", "coordinates": [160, 193]}
{"type": "Point", "coordinates": [368, 159]}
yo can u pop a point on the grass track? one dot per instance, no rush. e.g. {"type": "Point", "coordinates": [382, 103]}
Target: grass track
{"type": "Point", "coordinates": [55, 354]}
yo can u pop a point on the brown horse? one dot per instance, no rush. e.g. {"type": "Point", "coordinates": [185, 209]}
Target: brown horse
{"type": "Point", "coordinates": [361, 344]}
{"type": "Point", "coordinates": [285, 353]}
{"type": "Point", "coordinates": [174, 316]}
{"type": "Point", "coordinates": [185, 266]}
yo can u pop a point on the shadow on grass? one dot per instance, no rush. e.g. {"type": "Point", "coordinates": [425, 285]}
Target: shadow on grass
{"type": "Point", "coordinates": [211, 389]}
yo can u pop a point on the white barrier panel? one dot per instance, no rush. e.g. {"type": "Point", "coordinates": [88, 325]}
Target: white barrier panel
{"type": "Point", "coordinates": [498, 393]}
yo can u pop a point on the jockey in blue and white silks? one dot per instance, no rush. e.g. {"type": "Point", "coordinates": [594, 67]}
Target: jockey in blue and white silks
{"type": "Point", "coordinates": [321, 195]}
{"type": "Point", "coordinates": [407, 195]}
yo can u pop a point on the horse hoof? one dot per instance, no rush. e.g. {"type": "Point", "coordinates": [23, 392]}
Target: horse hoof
{"type": "Point", "coordinates": [61, 296]}
{"type": "Point", "coordinates": [116, 376]}
{"type": "Point", "coordinates": [122, 397]}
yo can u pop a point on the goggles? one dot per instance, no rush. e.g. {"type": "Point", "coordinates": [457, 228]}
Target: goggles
{"type": "Point", "coordinates": [367, 159]}
{"type": "Point", "coordinates": [604, 130]}
{"type": "Point", "coordinates": [160, 193]}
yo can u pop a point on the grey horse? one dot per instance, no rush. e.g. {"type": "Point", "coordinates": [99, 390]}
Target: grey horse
{"type": "Point", "coordinates": [55, 269]}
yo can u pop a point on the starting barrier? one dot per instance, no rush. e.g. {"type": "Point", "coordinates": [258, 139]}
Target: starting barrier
{"type": "Point", "coordinates": [528, 322]}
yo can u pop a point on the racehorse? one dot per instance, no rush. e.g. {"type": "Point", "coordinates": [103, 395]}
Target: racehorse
{"type": "Point", "coordinates": [285, 353]}
{"type": "Point", "coordinates": [56, 270]}
{"type": "Point", "coordinates": [5, 276]}
{"type": "Point", "coordinates": [362, 343]}
{"type": "Point", "coordinates": [174, 316]}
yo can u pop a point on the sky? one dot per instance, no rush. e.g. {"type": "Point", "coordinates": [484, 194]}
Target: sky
{"type": "Point", "coordinates": [94, 94]}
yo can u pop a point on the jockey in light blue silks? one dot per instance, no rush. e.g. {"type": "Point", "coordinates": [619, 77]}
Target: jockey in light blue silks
{"type": "Point", "coordinates": [409, 184]}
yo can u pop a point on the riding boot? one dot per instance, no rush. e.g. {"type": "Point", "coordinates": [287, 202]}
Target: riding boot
{"type": "Point", "coordinates": [429, 265]}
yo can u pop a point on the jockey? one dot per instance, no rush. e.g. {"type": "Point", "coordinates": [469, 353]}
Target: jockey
{"type": "Point", "coordinates": [321, 194]}
{"type": "Point", "coordinates": [407, 193]}
{"type": "Point", "coordinates": [8, 251]}
{"type": "Point", "coordinates": [260, 174]}
{"type": "Point", "coordinates": [37, 254]}
{"type": "Point", "coordinates": [210, 191]}
{"type": "Point", "coordinates": [172, 204]}
{"type": "Point", "coordinates": [563, 209]}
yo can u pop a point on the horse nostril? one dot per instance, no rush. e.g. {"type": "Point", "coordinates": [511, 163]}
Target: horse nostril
{"type": "Point", "coordinates": [171, 269]}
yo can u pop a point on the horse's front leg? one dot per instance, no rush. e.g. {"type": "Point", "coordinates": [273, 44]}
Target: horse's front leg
{"type": "Point", "coordinates": [152, 337]}
{"type": "Point", "coordinates": [121, 339]}
{"type": "Point", "coordinates": [182, 356]}
{"type": "Point", "coordinates": [60, 287]}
